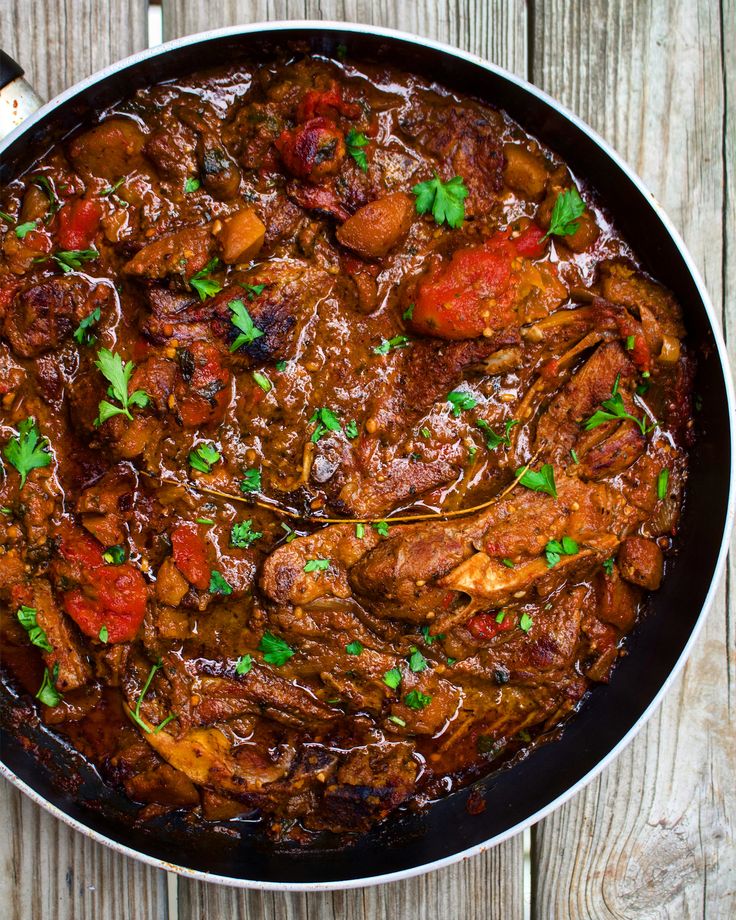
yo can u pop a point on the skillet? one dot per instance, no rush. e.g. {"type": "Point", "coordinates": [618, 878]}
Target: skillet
{"type": "Point", "coordinates": [55, 777]}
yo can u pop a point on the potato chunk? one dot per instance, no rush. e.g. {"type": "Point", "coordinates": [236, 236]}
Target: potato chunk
{"type": "Point", "coordinates": [378, 226]}
{"type": "Point", "coordinates": [241, 236]}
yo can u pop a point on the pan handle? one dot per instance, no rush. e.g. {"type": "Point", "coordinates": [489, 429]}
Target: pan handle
{"type": "Point", "coordinates": [18, 99]}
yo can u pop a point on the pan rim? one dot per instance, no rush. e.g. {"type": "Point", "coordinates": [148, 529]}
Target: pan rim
{"type": "Point", "coordinates": [444, 48]}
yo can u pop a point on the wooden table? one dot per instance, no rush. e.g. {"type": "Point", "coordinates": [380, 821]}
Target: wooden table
{"type": "Point", "coordinates": [653, 837]}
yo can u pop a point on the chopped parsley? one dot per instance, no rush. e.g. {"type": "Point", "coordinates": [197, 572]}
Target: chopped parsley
{"type": "Point", "coordinates": [574, 455]}
{"type": "Point", "coordinates": [541, 481]}
{"type": "Point", "coordinates": [242, 534]}
{"type": "Point", "coordinates": [662, 482]}
{"type": "Point", "coordinates": [392, 678]}
{"type": "Point", "coordinates": [205, 285]}
{"type": "Point", "coordinates": [112, 368]}
{"type": "Point", "coordinates": [263, 382]}
{"type": "Point", "coordinates": [207, 521]}
{"type": "Point", "coordinates": [425, 433]}
{"type": "Point", "coordinates": [316, 565]}
{"type": "Point", "coordinates": [351, 430]}
{"type": "Point", "coordinates": [254, 290]}
{"type": "Point", "coordinates": [135, 714]}
{"type": "Point", "coordinates": [242, 320]}
{"type": "Point", "coordinates": [36, 634]}
{"type": "Point", "coordinates": [360, 531]}
{"type": "Point", "coordinates": [111, 189]}
{"type": "Point", "coordinates": [218, 585]}
{"type": "Point", "coordinates": [104, 634]}
{"type": "Point", "coordinates": [500, 616]}
{"type": "Point", "coordinates": [444, 199]}
{"type": "Point", "coordinates": [191, 185]}
{"type": "Point", "coordinates": [54, 204]}
{"type": "Point", "coordinates": [326, 421]}
{"type": "Point", "coordinates": [114, 555]}
{"type": "Point", "coordinates": [290, 534]}
{"type": "Point", "coordinates": [71, 259]}
{"type": "Point", "coordinates": [22, 230]}
{"type": "Point", "coordinates": [613, 408]}
{"type": "Point", "coordinates": [381, 528]}
{"type": "Point", "coordinates": [387, 345]}
{"type": "Point", "coordinates": [525, 622]}
{"type": "Point", "coordinates": [355, 142]}
{"type": "Point", "coordinates": [397, 720]}
{"type": "Point", "coordinates": [354, 647]}
{"type": "Point", "coordinates": [47, 692]}
{"type": "Point", "coordinates": [281, 366]}
{"type": "Point", "coordinates": [568, 208]}
{"type": "Point", "coordinates": [428, 638]}
{"type": "Point", "coordinates": [28, 451]}
{"type": "Point", "coordinates": [460, 401]}
{"type": "Point", "coordinates": [494, 440]}
{"type": "Point", "coordinates": [204, 457]}
{"type": "Point", "coordinates": [82, 334]}
{"type": "Point", "coordinates": [276, 650]}
{"type": "Point", "coordinates": [630, 341]}
{"type": "Point", "coordinates": [251, 481]}
{"type": "Point", "coordinates": [508, 563]}
{"type": "Point", "coordinates": [243, 664]}
{"type": "Point", "coordinates": [417, 661]}
{"type": "Point", "coordinates": [415, 699]}
{"type": "Point", "coordinates": [408, 314]}
{"type": "Point", "coordinates": [608, 566]}
{"type": "Point", "coordinates": [555, 549]}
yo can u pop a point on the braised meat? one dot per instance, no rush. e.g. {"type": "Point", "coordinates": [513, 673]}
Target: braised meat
{"type": "Point", "coordinates": [342, 437]}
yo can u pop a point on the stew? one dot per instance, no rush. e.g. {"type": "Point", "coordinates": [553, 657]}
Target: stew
{"type": "Point", "coordinates": [342, 438]}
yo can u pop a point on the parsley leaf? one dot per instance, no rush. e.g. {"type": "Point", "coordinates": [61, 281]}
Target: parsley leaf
{"type": "Point", "coordinates": [397, 720]}
{"type": "Point", "coordinates": [204, 457]}
{"type": "Point", "coordinates": [29, 451]}
{"type": "Point", "coordinates": [104, 634]}
{"type": "Point", "coordinates": [354, 143]}
{"type": "Point", "coordinates": [608, 566]}
{"type": "Point", "coordinates": [662, 482]}
{"type": "Point", "coordinates": [317, 565]}
{"type": "Point", "coordinates": [568, 208]}
{"type": "Point", "coordinates": [354, 648]}
{"type": "Point", "coordinates": [613, 408]}
{"type": "Point", "coordinates": [263, 382]}
{"type": "Point", "coordinates": [47, 692]}
{"type": "Point", "coordinates": [27, 619]}
{"type": "Point", "coordinates": [408, 314]}
{"type": "Point", "coordinates": [557, 548]}
{"type": "Point", "coordinates": [22, 230]}
{"type": "Point", "coordinates": [243, 664]}
{"type": "Point", "coordinates": [54, 204]}
{"type": "Point", "coordinates": [276, 651]}
{"type": "Point", "coordinates": [381, 528]}
{"type": "Point", "coordinates": [360, 530]}
{"type": "Point", "coordinates": [509, 563]}
{"type": "Point", "coordinates": [392, 678]}
{"type": "Point", "coordinates": [251, 481]}
{"type": "Point", "coordinates": [242, 534]}
{"type": "Point", "coordinates": [417, 661]}
{"type": "Point", "coordinates": [326, 421]}
{"type": "Point", "coordinates": [117, 374]}
{"type": "Point", "coordinates": [415, 699]}
{"type": "Point", "coordinates": [428, 638]}
{"type": "Point", "coordinates": [542, 481]}
{"type": "Point", "coordinates": [494, 440]}
{"type": "Point", "coordinates": [444, 199]}
{"type": "Point", "coordinates": [525, 622]}
{"type": "Point", "coordinates": [351, 430]}
{"type": "Point", "coordinates": [191, 185]}
{"type": "Point", "coordinates": [71, 259]}
{"type": "Point", "coordinates": [114, 555]}
{"type": "Point", "coordinates": [460, 401]}
{"type": "Point", "coordinates": [242, 320]}
{"type": "Point", "coordinates": [203, 284]}
{"type": "Point", "coordinates": [112, 188]}
{"type": "Point", "coordinates": [387, 345]}
{"type": "Point", "coordinates": [135, 714]}
{"type": "Point", "coordinates": [218, 585]}
{"type": "Point", "coordinates": [82, 334]}
{"type": "Point", "coordinates": [254, 290]}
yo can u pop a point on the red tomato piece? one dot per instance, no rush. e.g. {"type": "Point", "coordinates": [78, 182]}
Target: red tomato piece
{"type": "Point", "coordinates": [204, 398]}
{"type": "Point", "coordinates": [79, 221]}
{"type": "Point", "coordinates": [190, 555]}
{"type": "Point", "coordinates": [483, 626]}
{"type": "Point", "coordinates": [529, 243]}
{"type": "Point", "coordinates": [328, 102]}
{"type": "Point", "coordinates": [312, 150]}
{"type": "Point", "coordinates": [114, 596]}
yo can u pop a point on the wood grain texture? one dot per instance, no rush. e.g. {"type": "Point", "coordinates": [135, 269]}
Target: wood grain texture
{"type": "Point", "coordinates": [653, 836]}
{"type": "Point", "coordinates": [58, 42]}
{"type": "Point", "coordinates": [47, 870]}
{"type": "Point", "coordinates": [489, 887]}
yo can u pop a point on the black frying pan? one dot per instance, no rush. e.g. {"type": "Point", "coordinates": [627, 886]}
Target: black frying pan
{"type": "Point", "coordinates": [413, 843]}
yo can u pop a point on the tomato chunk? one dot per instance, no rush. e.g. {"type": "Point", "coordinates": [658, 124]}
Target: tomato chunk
{"type": "Point", "coordinates": [327, 102]}
{"type": "Point", "coordinates": [477, 289]}
{"type": "Point", "coordinates": [190, 555]}
{"type": "Point", "coordinates": [79, 222]}
{"type": "Point", "coordinates": [485, 626]}
{"type": "Point", "coordinates": [312, 150]}
{"type": "Point", "coordinates": [113, 596]}
{"type": "Point", "coordinates": [203, 395]}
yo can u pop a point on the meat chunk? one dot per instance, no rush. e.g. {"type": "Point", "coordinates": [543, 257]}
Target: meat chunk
{"type": "Point", "coordinates": [312, 150]}
{"type": "Point", "coordinates": [44, 315]}
{"type": "Point", "coordinates": [524, 172]}
{"type": "Point", "coordinates": [378, 226]}
{"type": "Point", "coordinates": [171, 150]}
{"type": "Point", "coordinates": [640, 561]}
{"type": "Point", "coordinates": [109, 151]}
{"type": "Point", "coordinates": [180, 255]}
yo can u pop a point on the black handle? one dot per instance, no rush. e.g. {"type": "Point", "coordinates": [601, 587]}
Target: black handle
{"type": "Point", "coordinates": [9, 69]}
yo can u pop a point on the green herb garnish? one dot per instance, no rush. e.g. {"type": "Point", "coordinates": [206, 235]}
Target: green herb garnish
{"type": "Point", "coordinates": [541, 481]}
{"type": "Point", "coordinates": [662, 482]}
{"type": "Point", "coordinates": [191, 185]}
{"type": "Point", "coordinates": [117, 374]}
{"type": "Point", "coordinates": [568, 208]}
{"type": "Point", "coordinates": [203, 284]}
{"type": "Point", "coordinates": [69, 260]}
{"type": "Point", "coordinates": [28, 451]}
{"type": "Point", "coordinates": [355, 142]}
{"type": "Point", "coordinates": [387, 345]}
{"type": "Point", "coordinates": [276, 651]}
{"type": "Point", "coordinates": [354, 648]}
{"type": "Point", "coordinates": [204, 457]}
{"type": "Point", "coordinates": [263, 382]}
{"type": "Point", "coordinates": [242, 534]}
{"type": "Point", "coordinates": [381, 528]}
{"type": "Point", "coordinates": [326, 421]}
{"type": "Point", "coordinates": [525, 622]}
{"type": "Point", "coordinates": [218, 585]}
{"type": "Point", "coordinates": [36, 634]}
{"type": "Point", "coordinates": [444, 199]}
{"type": "Point", "coordinates": [494, 440]}
{"type": "Point", "coordinates": [417, 661]}
{"type": "Point", "coordinates": [251, 481]}
{"type": "Point", "coordinates": [114, 555]}
{"type": "Point", "coordinates": [613, 408]}
{"type": "Point", "coordinates": [392, 678]}
{"type": "Point", "coordinates": [82, 334]}
{"type": "Point", "coordinates": [242, 320]}
{"type": "Point", "coordinates": [557, 548]}
{"type": "Point", "coordinates": [47, 692]}
{"type": "Point", "coordinates": [415, 699]}
{"type": "Point", "coordinates": [316, 565]}
{"type": "Point", "coordinates": [243, 664]}
{"type": "Point", "coordinates": [460, 401]}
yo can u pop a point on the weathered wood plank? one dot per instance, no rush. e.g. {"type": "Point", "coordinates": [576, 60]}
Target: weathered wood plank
{"type": "Point", "coordinates": [490, 886]}
{"type": "Point", "coordinates": [650, 838]}
{"type": "Point", "coordinates": [48, 870]}
{"type": "Point", "coordinates": [58, 42]}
